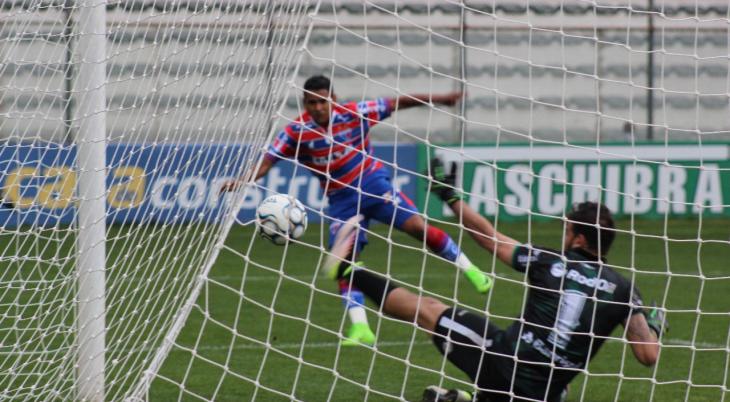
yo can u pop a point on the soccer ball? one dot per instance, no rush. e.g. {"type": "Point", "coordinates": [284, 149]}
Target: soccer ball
{"type": "Point", "coordinates": [281, 217]}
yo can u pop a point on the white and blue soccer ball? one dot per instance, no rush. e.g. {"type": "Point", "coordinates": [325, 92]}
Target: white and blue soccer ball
{"type": "Point", "coordinates": [281, 217]}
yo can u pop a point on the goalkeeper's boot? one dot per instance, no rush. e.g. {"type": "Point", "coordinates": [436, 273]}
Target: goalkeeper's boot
{"type": "Point", "coordinates": [435, 393]}
{"type": "Point", "coordinates": [359, 335]}
{"type": "Point", "coordinates": [479, 279]}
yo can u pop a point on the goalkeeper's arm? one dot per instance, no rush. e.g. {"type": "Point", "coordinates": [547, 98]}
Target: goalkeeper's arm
{"type": "Point", "coordinates": [480, 229]}
{"type": "Point", "coordinates": [643, 330]}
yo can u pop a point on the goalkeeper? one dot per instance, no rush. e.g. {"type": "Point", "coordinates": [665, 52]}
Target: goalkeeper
{"type": "Point", "coordinates": [574, 303]}
{"type": "Point", "coordinates": [332, 141]}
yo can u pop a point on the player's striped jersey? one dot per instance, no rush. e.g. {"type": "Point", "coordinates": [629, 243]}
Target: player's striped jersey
{"type": "Point", "coordinates": [337, 157]}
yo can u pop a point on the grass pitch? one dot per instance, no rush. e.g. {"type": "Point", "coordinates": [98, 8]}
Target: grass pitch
{"type": "Point", "coordinates": [266, 325]}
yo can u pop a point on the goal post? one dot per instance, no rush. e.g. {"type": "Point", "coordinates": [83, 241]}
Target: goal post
{"type": "Point", "coordinates": [91, 144]}
{"type": "Point", "coordinates": [107, 241]}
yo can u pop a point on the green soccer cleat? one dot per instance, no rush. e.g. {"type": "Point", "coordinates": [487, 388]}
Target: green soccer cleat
{"type": "Point", "coordinates": [359, 335]}
{"type": "Point", "coordinates": [334, 271]}
{"type": "Point", "coordinates": [479, 279]}
{"type": "Point", "coordinates": [435, 393]}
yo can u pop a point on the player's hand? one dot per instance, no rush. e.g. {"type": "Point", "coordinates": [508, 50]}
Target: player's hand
{"type": "Point", "coordinates": [443, 183]}
{"type": "Point", "coordinates": [229, 186]}
{"type": "Point", "coordinates": [657, 319]}
{"type": "Point", "coordinates": [449, 99]}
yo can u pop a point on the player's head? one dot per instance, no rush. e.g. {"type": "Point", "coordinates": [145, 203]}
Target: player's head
{"type": "Point", "coordinates": [590, 227]}
{"type": "Point", "coordinates": [318, 98]}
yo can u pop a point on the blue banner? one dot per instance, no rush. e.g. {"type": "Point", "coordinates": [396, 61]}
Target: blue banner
{"type": "Point", "coordinates": [157, 183]}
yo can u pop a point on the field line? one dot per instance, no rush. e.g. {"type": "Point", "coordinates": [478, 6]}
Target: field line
{"type": "Point", "coordinates": [327, 345]}
{"type": "Point", "coordinates": [272, 277]}
{"type": "Point", "coordinates": [308, 345]}
{"type": "Point", "coordinates": [711, 274]}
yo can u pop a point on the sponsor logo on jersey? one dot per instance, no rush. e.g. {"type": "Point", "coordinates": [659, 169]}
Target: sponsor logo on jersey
{"type": "Point", "coordinates": [390, 198]}
{"type": "Point", "coordinates": [545, 350]}
{"type": "Point", "coordinates": [525, 258]}
{"type": "Point", "coordinates": [333, 156]}
{"type": "Point", "coordinates": [598, 283]}
{"type": "Point", "coordinates": [558, 269]}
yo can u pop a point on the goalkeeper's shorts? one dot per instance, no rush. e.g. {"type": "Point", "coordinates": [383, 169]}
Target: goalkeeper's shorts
{"type": "Point", "coordinates": [479, 349]}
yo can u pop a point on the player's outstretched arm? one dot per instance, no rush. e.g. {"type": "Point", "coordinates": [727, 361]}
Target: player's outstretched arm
{"type": "Point", "coordinates": [250, 176]}
{"type": "Point", "coordinates": [408, 101]}
{"type": "Point", "coordinates": [480, 229]}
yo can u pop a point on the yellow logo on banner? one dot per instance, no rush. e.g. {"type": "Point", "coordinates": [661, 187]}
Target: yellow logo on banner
{"type": "Point", "coordinates": [129, 191]}
{"type": "Point", "coordinates": [56, 187]}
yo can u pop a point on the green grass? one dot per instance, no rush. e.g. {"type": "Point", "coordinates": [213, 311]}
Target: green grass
{"type": "Point", "coordinates": [277, 298]}
{"type": "Point", "coordinates": [260, 294]}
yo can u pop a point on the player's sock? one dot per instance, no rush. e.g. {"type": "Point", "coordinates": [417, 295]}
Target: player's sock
{"type": "Point", "coordinates": [463, 262]}
{"type": "Point", "coordinates": [354, 301]}
{"type": "Point", "coordinates": [442, 244]}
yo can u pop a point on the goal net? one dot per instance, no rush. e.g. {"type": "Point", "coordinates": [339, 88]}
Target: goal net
{"type": "Point", "coordinates": [147, 107]}
{"type": "Point", "coordinates": [126, 274]}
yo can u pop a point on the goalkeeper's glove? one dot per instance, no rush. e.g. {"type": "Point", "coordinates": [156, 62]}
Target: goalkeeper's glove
{"type": "Point", "coordinates": [656, 319]}
{"type": "Point", "coordinates": [443, 183]}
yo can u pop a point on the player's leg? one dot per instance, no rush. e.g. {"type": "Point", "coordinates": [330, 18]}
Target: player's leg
{"type": "Point", "coordinates": [394, 206]}
{"type": "Point", "coordinates": [352, 298]}
{"type": "Point", "coordinates": [466, 339]}
{"type": "Point", "coordinates": [442, 244]}
{"type": "Point", "coordinates": [396, 301]}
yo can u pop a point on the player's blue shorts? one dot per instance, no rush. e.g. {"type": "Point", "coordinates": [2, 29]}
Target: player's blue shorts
{"type": "Point", "coordinates": [375, 199]}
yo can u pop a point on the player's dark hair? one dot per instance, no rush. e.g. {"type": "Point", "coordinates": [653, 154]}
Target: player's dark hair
{"type": "Point", "coordinates": [595, 223]}
{"type": "Point", "coordinates": [318, 83]}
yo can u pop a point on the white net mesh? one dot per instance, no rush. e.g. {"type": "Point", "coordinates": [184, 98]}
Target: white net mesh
{"type": "Point", "coordinates": [621, 102]}
{"type": "Point", "coordinates": [191, 88]}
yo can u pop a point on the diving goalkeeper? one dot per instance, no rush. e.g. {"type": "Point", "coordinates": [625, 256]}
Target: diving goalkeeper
{"type": "Point", "coordinates": [575, 301]}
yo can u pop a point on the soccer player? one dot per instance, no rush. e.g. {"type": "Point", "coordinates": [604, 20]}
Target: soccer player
{"type": "Point", "coordinates": [574, 303]}
{"type": "Point", "coordinates": [332, 141]}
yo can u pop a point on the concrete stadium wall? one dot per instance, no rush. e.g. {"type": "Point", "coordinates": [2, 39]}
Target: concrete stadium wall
{"type": "Point", "coordinates": [544, 73]}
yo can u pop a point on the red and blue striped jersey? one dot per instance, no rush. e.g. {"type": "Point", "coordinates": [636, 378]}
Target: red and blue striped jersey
{"type": "Point", "coordinates": [338, 157]}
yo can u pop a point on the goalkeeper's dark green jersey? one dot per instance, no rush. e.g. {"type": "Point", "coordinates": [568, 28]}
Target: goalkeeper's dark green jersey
{"type": "Point", "coordinates": [574, 303]}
